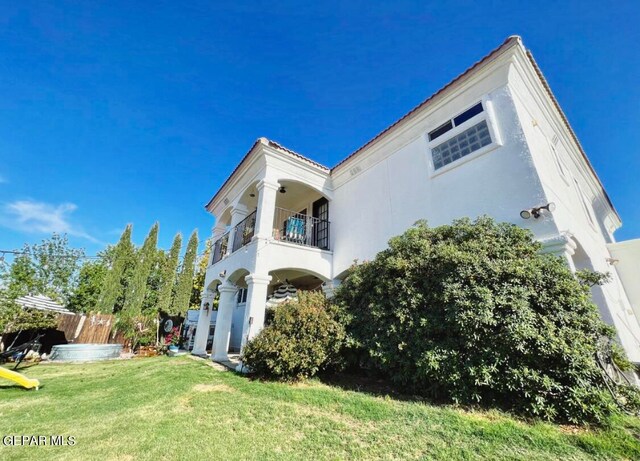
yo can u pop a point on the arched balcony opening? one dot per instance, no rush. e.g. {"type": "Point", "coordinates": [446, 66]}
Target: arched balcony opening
{"type": "Point", "coordinates": [301, 215]}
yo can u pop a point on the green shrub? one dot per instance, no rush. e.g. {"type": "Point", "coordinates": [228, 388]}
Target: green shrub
{"type": "Point", "coordinates": [303, 338]}
{"type": "Point", "coordinates": [472, 313]}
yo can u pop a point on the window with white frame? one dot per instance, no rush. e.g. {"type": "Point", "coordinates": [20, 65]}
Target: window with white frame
{"type": "Point", "coordinates": [469, 133]}
{"type": "Point", "coordinates": [242, 296]}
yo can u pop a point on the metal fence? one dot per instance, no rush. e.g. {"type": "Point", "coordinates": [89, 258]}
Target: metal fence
{"type": "Point", "coordinates": [243, 231]}
{"type": "Point", "coordinates": [301, 229]}
{"type": "Point", "coordinates": [220, 248]}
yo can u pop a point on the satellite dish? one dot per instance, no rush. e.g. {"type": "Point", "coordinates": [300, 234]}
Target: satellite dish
{"type": "Point", "coordinates": [168, 325]}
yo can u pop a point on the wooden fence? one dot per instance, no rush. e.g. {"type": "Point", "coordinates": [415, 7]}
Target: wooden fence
{"type": "Point", "coordinates": [89, 329]}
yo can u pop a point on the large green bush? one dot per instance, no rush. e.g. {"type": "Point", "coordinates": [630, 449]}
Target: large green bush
{"type": "Point", "coordinates": [303, 338]}
{"type": "Point", "coordinates": [472, 313]}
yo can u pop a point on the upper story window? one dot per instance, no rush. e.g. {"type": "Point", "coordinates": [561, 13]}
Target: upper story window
{"type": "Point", "coordinates": [469, 132]}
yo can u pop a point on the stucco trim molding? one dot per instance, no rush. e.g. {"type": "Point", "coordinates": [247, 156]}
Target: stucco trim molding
{"type": "Point", "coordinates": [560, 244]}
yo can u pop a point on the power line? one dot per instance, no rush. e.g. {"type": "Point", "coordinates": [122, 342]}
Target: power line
{"type": "Point", "coordinates": [94, 257]}
{"type": "Point", "coordinates": [19, 253]}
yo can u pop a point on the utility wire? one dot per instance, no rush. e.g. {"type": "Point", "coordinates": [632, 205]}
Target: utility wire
{"type": "Point", "coordinates": [20, 253]}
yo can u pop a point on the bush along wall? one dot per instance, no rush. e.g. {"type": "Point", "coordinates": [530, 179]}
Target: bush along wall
{"type": "Point", "coordinates": [472, 313]}
{"type": "Point", "coordinates": [303, 338]}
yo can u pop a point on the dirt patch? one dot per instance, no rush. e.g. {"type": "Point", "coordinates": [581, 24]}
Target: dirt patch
{"type": "Point", "coordinates": [213, 388]}
{"type": "Point", "coordinates": [573, 430]}
{"type": "Point", "coordinates": [207, 362]}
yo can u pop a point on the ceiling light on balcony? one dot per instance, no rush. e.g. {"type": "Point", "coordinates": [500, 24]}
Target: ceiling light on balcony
{"type": "Point", "coordinates": [282, 190]}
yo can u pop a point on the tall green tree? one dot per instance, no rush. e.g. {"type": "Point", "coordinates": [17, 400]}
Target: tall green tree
{"type": "Point", "coordinates": [121, 260]}
{"type": "Point", "coordinates": [169, 278]}
{"type": "Point", "coordinates": [137, 288]}
{"type": "Point", "coordinates": [49, 268]}
{"type": "Point", "coordinates": [154, 282]}
{"type": "Point", "coordinates": [86, 294]}
{"type": "Point", "coordinates": [198, 279]}
{"type": "Point", "coordinates": [185, 279]}
{"type": "Point", "coordinates": [20, 278]}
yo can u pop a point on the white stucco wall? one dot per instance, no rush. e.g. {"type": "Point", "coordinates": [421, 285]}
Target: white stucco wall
{"type": "Point", "coordinates": [389, 195]}
{"type": "Point", "coordinates": [566, 179]}
{"type": "Point", "coordinates": [391, 183]}
{"type": "Point", "coordinates": [627, 267]}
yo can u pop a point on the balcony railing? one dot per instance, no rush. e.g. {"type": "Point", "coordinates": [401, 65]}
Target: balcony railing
{"type": "Point", "coordinates": [243, 232]}
{"type": "Point", "coordinates": [301, 229]}
{"type": "Point", "coordinates": [220, 248]}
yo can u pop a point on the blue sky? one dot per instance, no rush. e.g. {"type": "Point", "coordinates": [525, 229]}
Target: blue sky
{"type": "Point", "coordinates": [117, 112]}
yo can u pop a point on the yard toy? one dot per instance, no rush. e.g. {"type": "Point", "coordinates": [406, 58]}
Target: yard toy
{"type": "Point", "coordinates": [19, 379]}
{"type": "Point", "coordinates": [19, 353]}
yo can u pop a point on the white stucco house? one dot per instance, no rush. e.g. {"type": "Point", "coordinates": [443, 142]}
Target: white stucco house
{"type": "Point", "coordinates": [492, 141]}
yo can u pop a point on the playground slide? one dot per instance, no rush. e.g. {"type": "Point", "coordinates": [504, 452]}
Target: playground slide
{"type": "Point", "coordinates": [19, 379]}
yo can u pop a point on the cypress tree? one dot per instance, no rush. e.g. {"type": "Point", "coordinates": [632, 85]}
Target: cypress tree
{"type": "Point", "coordinates": [185, 279]}
{"type": "Point", "coordinates": [169, 275]}
{"type": "Point", "coordinates": [134, 297]}
{"type": "Point", "coordinates": [116, 279]}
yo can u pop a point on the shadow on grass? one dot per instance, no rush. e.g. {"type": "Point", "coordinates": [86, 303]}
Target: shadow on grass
{"type": "Point", "coordinates": [7, 387]}
{"type": "Point", "coordinates": [372, 385]}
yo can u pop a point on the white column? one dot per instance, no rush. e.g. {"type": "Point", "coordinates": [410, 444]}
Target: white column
{"type": "Point", "coordinates": [267, 192]}
{"type": "Point", "coordinates": [218, 230]}
{"type": "Point", "coordinates": [223, 323]}
{"type": "Point", "coordinates": [202, 330]}
{"type": "Point", "coordinates": [256, 304]}
{"type": "Point", "coordinates": [254, 314]}
{"type": "Point", "coordinates": [238, 213]}
{"type": "Point", "coordinates": [327, 289]}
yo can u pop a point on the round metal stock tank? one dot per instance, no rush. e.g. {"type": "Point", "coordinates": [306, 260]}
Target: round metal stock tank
{"type": "Point", "coordinates": [85, 352]}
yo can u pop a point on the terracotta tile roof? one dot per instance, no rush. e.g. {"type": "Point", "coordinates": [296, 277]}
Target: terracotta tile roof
{"type": "Point", "coordinates": [302, 157]}
{"type": "Point", "coordinates": [509, 42]}
{"type": "Point", "coordinates": [568, 125]}
{"type": "Point", "coordinates": [276, 146]}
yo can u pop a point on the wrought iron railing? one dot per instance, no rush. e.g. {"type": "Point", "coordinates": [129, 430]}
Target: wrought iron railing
{"type": "Point", "coordinates": [220, 248]}
{"type": "Point", "coordinates": [243, 232]}
{"type": "Point", "coordinates": [301, 229]}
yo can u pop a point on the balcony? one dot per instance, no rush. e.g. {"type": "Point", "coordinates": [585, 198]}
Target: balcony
{"type": "Point", "coordinates": [301, 229]}
{"type": "Point", "coordinates": [295, 215]}
{"type": "Point", "coordinates": [220, 248]}
{"type": "Point", "coordinates": [243, 232]}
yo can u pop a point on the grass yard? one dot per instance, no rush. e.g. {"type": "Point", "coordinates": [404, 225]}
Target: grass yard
{"type": "Point", "coordinates": [180, 408]}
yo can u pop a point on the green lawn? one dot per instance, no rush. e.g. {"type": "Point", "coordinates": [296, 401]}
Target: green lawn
{"type": "Point", "coordinates": [180, 408]}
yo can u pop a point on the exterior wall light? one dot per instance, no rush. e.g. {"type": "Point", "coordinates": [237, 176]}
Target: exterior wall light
{"type": "Point", "coordinates": [223, 274]}
{"type": "Point", "coordinates": [206, 307]}
{"type": "Point", "coordinates": [612, 261]}
{"type": "Point", "coordinates": [536, 212]}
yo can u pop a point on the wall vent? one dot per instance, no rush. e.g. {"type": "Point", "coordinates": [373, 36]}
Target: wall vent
{"type": "Point", "coordinates": [226, 201]}
{"type": "Point", "coordinates": [355, 170]}
{"type": "Point", "coordinates": [555, 139]}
